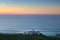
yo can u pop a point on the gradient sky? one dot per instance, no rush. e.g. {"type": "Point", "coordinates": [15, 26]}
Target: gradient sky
{"type": "Point", "coordinates": [29, 6]}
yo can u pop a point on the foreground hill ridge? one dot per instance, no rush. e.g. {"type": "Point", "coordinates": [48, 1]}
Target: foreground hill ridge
{"type": "Point", "coordinates": [30, 35]}
{"type": "Point", "coordinates": [27, 37]}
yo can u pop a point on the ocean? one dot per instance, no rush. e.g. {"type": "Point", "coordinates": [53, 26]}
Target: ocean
{"type": "Point", "coordinates": [46, 24]}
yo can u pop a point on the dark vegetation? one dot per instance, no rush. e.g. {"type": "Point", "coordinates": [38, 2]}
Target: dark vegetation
{"type": "Point", "coordinates": [27, 37]}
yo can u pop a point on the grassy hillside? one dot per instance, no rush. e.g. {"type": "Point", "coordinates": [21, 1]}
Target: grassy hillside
{"type": "Point", "coordinates": [26, 37]}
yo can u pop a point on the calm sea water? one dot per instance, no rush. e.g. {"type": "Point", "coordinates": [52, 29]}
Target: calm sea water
{"type": "Point", "coordinates": [47, 24]}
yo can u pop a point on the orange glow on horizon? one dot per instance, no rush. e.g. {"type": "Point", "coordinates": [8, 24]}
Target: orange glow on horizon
{"type": "Point", "coordinates": [22, 10]}
{"type": "Point", "coordinates": [28, 12]}
{"type": "Point", "coordinates": [19, 9]}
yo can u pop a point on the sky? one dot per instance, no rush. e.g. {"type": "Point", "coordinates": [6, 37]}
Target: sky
{"type": "Point", "coordinates": [29, 6]}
